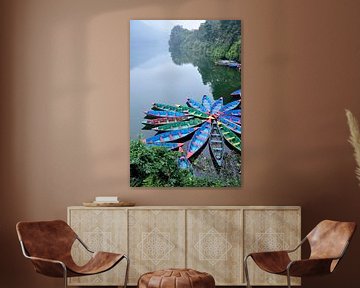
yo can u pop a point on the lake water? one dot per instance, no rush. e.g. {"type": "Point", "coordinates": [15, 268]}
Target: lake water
{"type": "Point", "coordinates": [154, 77]}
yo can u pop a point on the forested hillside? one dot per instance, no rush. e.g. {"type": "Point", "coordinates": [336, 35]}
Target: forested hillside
{"type": "Point", "coordinates": [218, 39]}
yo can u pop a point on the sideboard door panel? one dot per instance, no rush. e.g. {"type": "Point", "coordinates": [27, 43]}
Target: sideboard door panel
{"type": "Point", "coordinates": [156, 240]}
{"type": "Point", "coordinates": [271, 230]}
{"type": "Point", "coordinates": [101, 230]}
{"type": "Point", "coordinates": [214, 244]}
{"type": "Point", "coordinates": [209, 239]}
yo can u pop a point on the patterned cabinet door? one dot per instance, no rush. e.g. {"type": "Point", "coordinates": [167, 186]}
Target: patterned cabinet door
{"type": "Point", "coordinates": [214, 244]}
{"type": "Point", "coordinates": [101, 230]}
{"type": "Point", "coordinates": [156, 240]}
{"type": "Point", "coordinates": [271, 230]}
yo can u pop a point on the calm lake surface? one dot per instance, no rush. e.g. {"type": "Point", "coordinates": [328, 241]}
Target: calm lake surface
{"type": "Point", "coordinates": [154, 77]}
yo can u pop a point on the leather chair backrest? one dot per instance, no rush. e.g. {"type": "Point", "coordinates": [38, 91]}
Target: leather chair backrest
{"type": "Point", "coordinates": [46, 239]}
{"type": "Point", "coordinates": [329, 239]}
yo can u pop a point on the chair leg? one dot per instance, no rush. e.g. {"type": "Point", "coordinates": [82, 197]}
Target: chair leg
{"type": "Point", "coordinates": [127, 271]}
{"type": "Point", "coordinates": [65, 276]}
{"type": "Point", "coordinates": [288, 278]}
{"type": "Point", "coordinates": [246, 270]}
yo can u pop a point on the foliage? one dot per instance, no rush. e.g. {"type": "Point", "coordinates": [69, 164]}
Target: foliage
{"type": "Point", "coordinates": [153, 166]}
{"type": "Point", "coordinates": [354, 140]}
{"type": "Point", "coordinates": [219, 39]}
{"type": "Point", "coordinates": [157, 167]}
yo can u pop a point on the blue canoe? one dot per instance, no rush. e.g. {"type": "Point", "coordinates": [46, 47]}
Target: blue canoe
{"type": "Point", "coordinates": [236, 93]}
{"type": "Point", "coordinates": [207, 103]}
{"type": "Point", "coordinates": [194, 104]}
{"type": "Point", "coordinates": [170, 136]}
{"type": "Point", "coordinates": [168, 145]}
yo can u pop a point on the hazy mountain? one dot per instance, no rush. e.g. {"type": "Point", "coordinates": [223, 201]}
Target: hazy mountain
{"type": "Point", "coordinates": [146, 42]}
{"type": "Point", "coordinates": [140, 32]}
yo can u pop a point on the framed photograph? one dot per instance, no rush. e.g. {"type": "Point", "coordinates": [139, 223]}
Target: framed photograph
{"type": "Point", "coordinates": [185, 103]}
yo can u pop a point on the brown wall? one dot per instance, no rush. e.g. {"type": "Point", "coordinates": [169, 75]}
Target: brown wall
{"type": "Point", "coordinates": [64, 113]}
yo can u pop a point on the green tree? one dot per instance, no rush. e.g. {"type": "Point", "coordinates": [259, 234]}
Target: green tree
{"type": "Point", "coordinates": [218, 39]}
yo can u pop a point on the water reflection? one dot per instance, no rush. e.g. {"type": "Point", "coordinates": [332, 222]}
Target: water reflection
{"type": "Point", "coordinates": [222, 80]}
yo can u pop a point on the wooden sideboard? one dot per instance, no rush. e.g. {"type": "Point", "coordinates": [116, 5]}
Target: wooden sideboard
{"type": "Point", "coordinates": [213, 239]}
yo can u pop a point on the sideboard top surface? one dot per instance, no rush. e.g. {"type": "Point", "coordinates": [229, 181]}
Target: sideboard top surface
{"type": "Point", "coordinates": [193, 207]}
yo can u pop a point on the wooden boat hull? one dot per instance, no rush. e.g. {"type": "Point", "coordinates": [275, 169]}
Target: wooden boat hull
{"type": "Point", "coordinates": [165, 107]}
{"type": "Point", "coordinates": [228, 63]}
{"type": "Point", "coordinates": [186, 110]}
{"type": "Point", "coordinates": [196, 105]}
{"type": "Point", "coordinates": [164, 114]}
{"type": "Point", "coordinates": [199, 139]}
{"type": "Point", "coordinates": [192, 111]}
{"type": "Point", "coordinates": [217, 105]}
{"type": "Point", "coordinates": [230, 106]}
{"type": "Point", "coordinates": [216, 144]}
{"type": "Point", "coordinates": [163, 121]}
{"type": "Point", "coordinates": [184, 163]}
{"type": "Point", "coordinates": [236, 93]}
{"type": "Point", "coordinates": [230, 136]}
{"type": "Point", "coordinates": [207, 103]}
{"type": "Point", "coordinates": [167, 145]}
{"type": "Point", "coordinates": [236, 113]}
{"type": "Point", "coordinates": [234, 119]}
{"type": "Point", "coordinates": [234, 127]}
{"type": "Point", "coordinates": [170, 136]}
{"type": "Point", "coordinates": [179, 125]}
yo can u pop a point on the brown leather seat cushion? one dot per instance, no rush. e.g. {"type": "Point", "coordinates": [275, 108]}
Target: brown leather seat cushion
{"type": "Point", "coordinates": [176, 278]}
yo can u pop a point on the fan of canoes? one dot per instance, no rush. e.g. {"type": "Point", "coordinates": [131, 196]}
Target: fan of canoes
{"type": "Point", "coordinates": [206, 122]}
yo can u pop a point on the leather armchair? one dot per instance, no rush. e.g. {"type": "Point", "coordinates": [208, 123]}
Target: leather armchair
{"type": "Point", "coordinates": [48, 245]}
{"type": "Point", "coordinates": [328, 242]}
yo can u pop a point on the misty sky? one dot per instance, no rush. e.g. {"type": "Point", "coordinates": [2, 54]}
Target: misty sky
{"type": "Point", "coordinates": [167, 25]}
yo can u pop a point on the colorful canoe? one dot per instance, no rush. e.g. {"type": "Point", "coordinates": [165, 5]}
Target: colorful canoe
{"type": "Point", "coordinates": [230, 136]}
{"type": "Point", "coordinates": [236, 113]}
{"type": "Point", "coordinates": [230, 106]}
{"type": "Point", "coordinates": [186, 110]}
{"type": "Point", "coordinates": [207, 103]}
{"type": "Point", "coordinates": [218, 104]}
{"type": "Point", "coordinates": [192, 111]}
{"type": "Point", "coordinates": [234, 127]}
{"type": "Point", "coordinates": [228, 63]}
{"type": "Point", "coordinates": [194, 104]}
{"type": "Point", "coordinates": [165, 107]}
{"type": "Point", "coordinates": [199, 139]}
{"type": "Point", "coordinates": [234, 65]}
{"type": "Point", "coordinates": [170, 136]}
{"type": "Point", "coordinates": [166, 145]}
{"type": "Point", "coordinates": [183, 163]}
{"type": "Point", "coordinates": [161, 121]}
{"type": "Point", "coordinates": [236, 93]}
{"type": "Point", "coordinates": [216, 143]}
{"type": "Point", "coordinates": [234, 119]}
{"type": "Point", "coordinates": [180, 125]}
{"type": "Point", "coordinates": [164, 114]}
